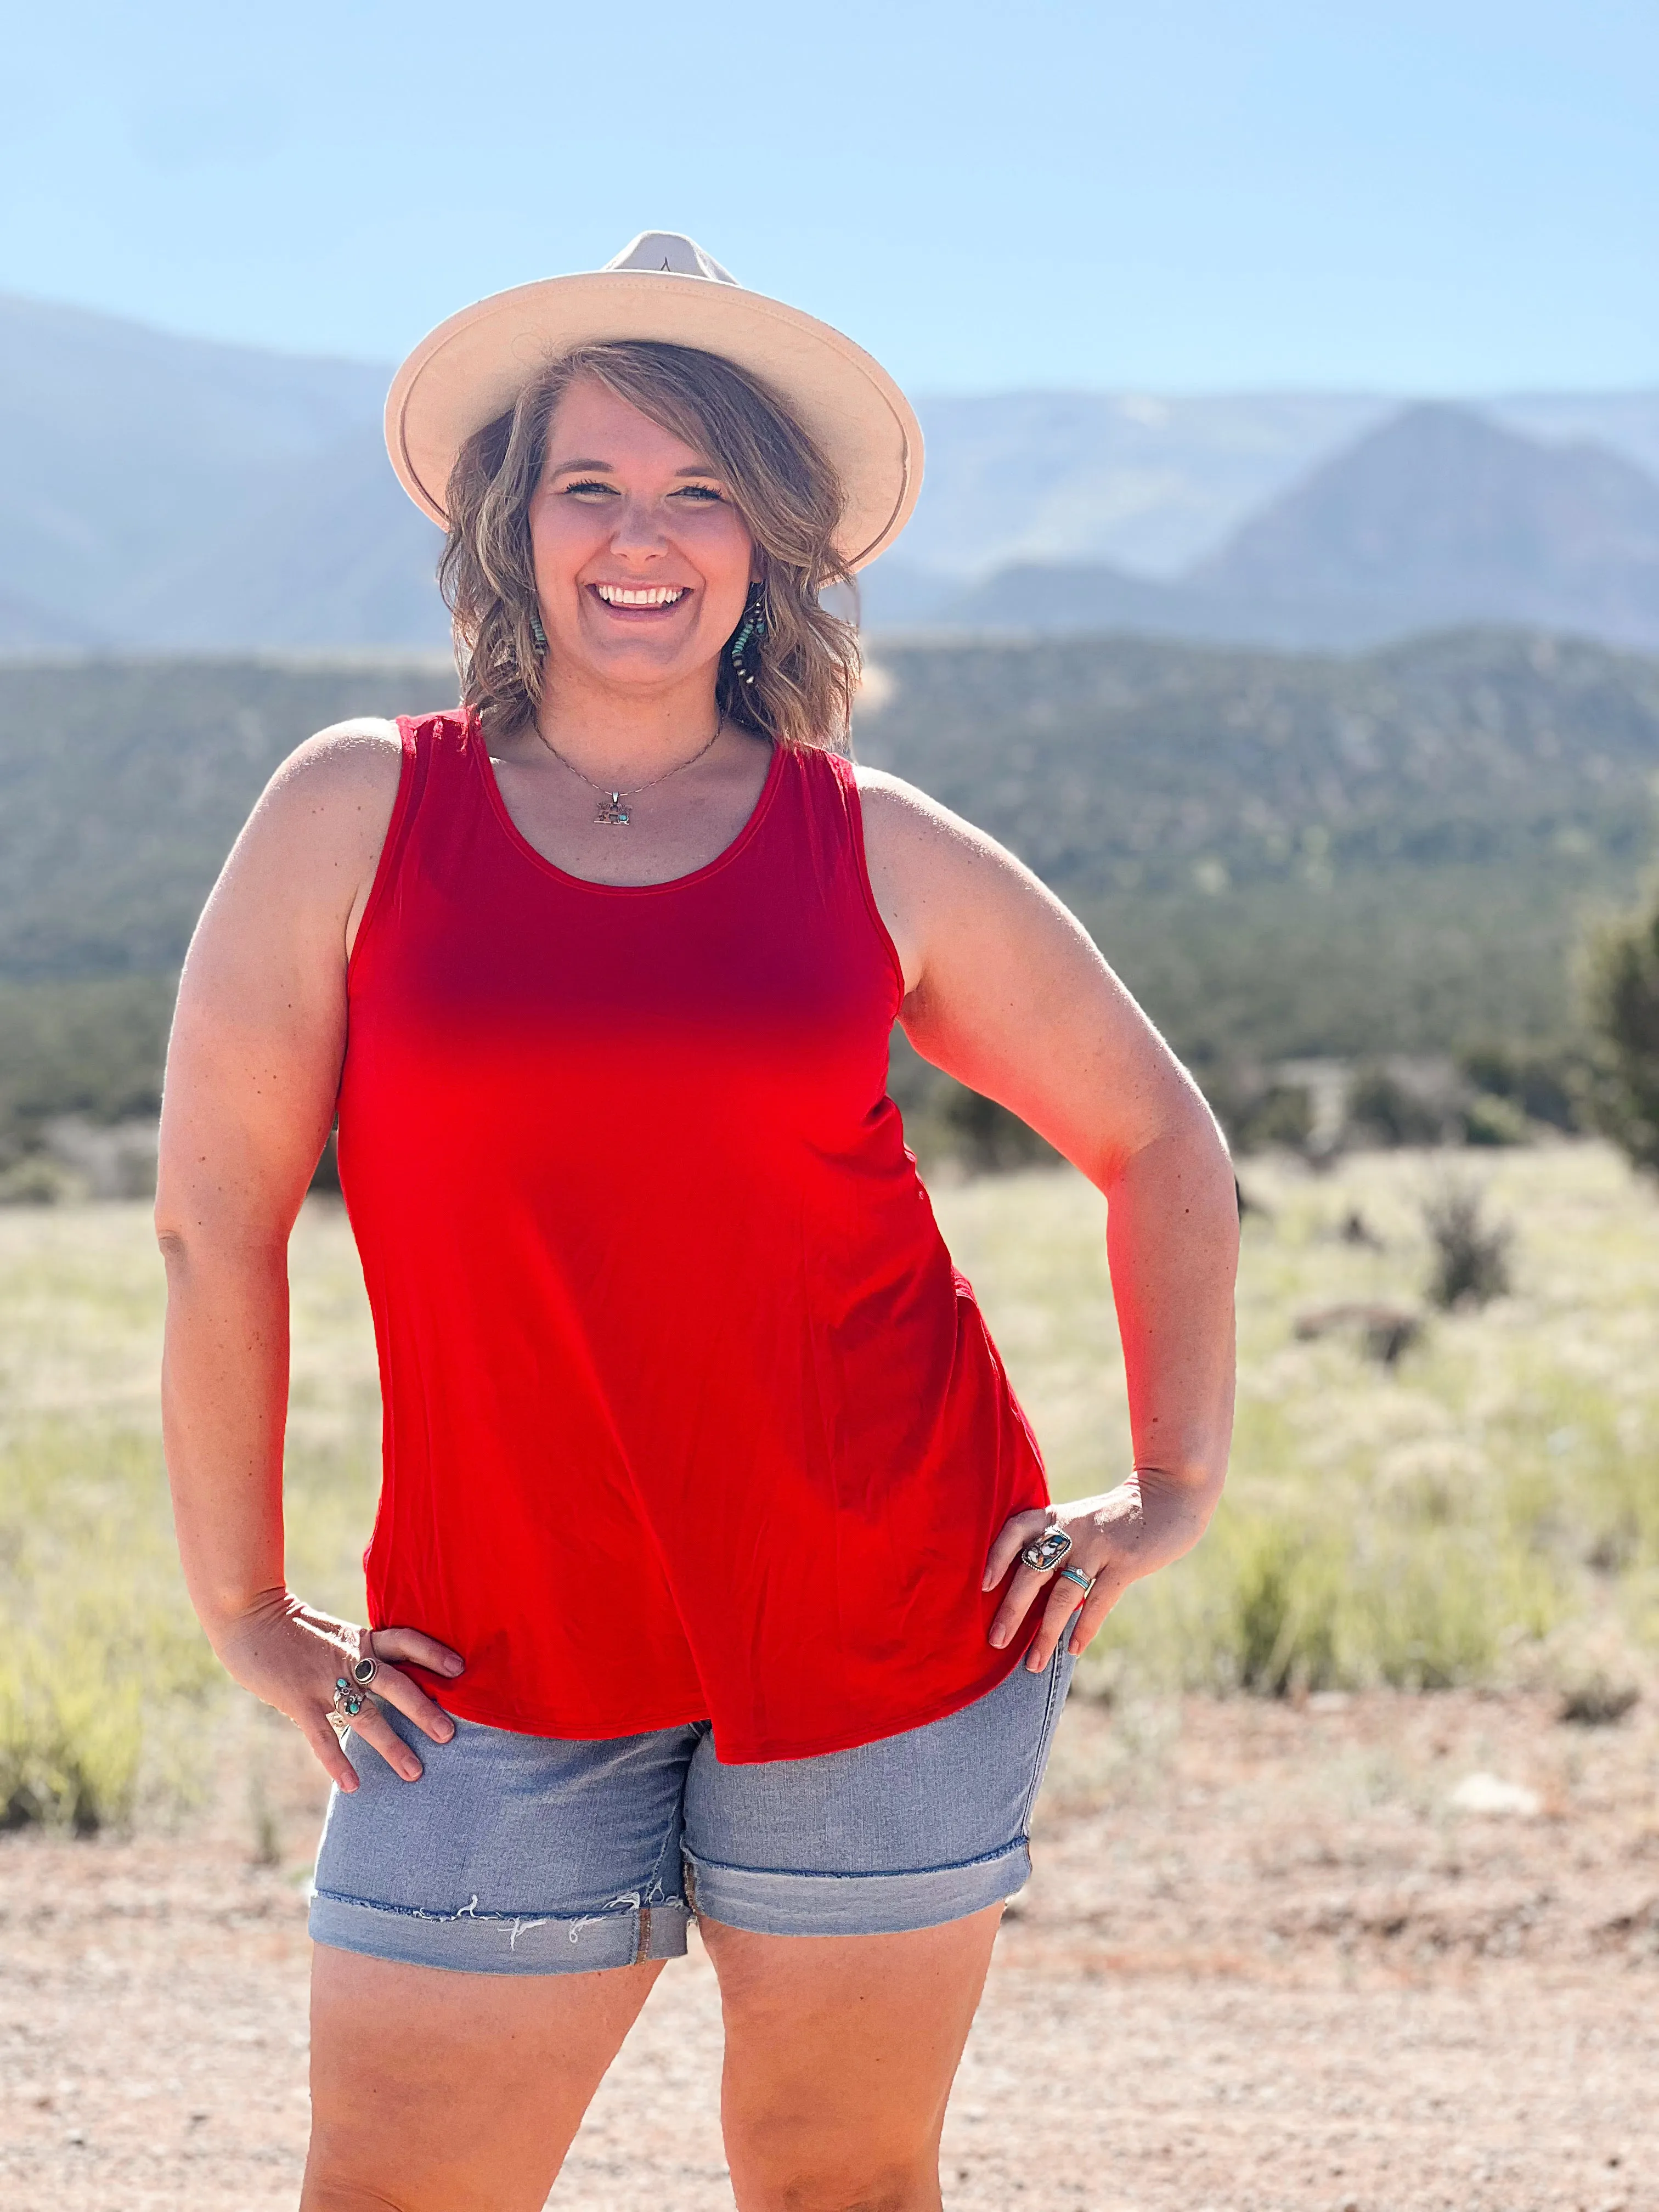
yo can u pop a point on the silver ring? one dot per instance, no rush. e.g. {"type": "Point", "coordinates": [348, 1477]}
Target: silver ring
{"type": "Point", "coordinates": [349, 1701]}
{"type": "Point", "coordinates": [363, 1671]}
{"type": "Point", "coordinates": [1043, 1556]}
{"type": "Point", "coordinates": [1084, 1583]}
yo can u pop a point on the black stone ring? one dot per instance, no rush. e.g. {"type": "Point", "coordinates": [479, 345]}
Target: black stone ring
{"type": "Point", "coordinates": [363, 1672]}
{"type": "Point", "coordinates": [1049, 1549]}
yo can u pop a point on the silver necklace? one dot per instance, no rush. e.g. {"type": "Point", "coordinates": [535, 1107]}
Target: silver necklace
{"type": "Point", "coordinates": [613, 808]}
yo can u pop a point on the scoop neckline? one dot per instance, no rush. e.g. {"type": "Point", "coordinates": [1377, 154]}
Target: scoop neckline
{"type": "Point", "coordinates": [727, 854]}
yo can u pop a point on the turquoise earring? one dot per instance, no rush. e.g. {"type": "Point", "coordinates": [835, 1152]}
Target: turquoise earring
{"type": "Point", "coordinates": [751, 633]}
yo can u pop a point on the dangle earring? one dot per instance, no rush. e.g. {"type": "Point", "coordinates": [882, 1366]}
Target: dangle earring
{"type": "Point", "coordinates": [751, 634]}
{"type": "Point", "coordinates": [538, 636]}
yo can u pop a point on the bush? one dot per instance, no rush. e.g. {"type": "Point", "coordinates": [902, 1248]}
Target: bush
{"type": "Point", "coordinates": [1471, 1256]}
{"type": "Point", "coordinates": [1383, 1109]}
{"type": "Point", "coordinates": [1540, 1086]}
{"type": "Point", "coordinates": [1622, 1001]}
{"type": "Point", "coordinates": [1491, 1120]}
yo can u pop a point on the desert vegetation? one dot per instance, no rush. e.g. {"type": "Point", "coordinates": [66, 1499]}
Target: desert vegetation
{"type": "Point", "coordinates": [1438, 1481]}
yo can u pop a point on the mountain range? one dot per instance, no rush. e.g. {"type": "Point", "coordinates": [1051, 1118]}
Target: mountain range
{"type": "Point", "coordinates": [1437, 518]}
{"type": "Point", "coordinates": [163, 493]}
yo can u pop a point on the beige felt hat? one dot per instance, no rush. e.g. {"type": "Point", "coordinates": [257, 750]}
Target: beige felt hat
{"type": "Point", "coordinates": [472, 368]}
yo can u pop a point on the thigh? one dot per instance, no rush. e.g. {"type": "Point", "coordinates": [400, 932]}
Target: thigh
{"type": "Point", "coordinates": [840, 2054]}
{"type": "Point", "coordinates": [440, 2091]}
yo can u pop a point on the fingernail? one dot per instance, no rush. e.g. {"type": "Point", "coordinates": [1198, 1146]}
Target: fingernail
{"type": "Point", "coordinates": [446, 1730]}
{"type": "Point", "coordinates": [348, 1787]}
{"type": "Point", "coordinates": [1034, 1665]}
{"type": "Point", "coordinates": [453, 1665]}
{"type": "Point", "coordinates": [411, 1772]}
{"type": "Point", "coordinates": [999, 1638]}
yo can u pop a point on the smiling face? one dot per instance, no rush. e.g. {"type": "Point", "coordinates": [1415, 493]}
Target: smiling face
{"type": "Point", "coordinates": [642, 560]}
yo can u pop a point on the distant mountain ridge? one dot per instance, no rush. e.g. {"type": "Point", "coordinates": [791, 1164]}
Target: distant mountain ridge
{"type": "Point", "coordinates": [1435, 519]}
{"type": "Point", "coordinates": [163, 493]}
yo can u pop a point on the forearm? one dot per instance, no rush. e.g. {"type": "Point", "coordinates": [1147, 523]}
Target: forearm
{"type": "Point", "coordinates": [1172, 1242]}
{"type": "Point", "coordinates": [224, 1396]}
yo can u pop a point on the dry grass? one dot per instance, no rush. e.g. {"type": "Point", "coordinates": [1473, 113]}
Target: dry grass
{"type": "Point", "coordinates": [1485, 1510]}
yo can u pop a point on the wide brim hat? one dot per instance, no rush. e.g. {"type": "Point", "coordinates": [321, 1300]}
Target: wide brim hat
{"type": "Point", "coordinates": [663, 287]}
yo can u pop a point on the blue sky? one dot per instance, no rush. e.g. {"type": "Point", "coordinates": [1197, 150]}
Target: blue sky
{"type": "Point", "coordinates": [1194, 196]}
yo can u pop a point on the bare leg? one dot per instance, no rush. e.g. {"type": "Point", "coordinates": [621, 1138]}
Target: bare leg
{"type": "Point", "coordinates": [433, 2091]}
{"type": "Point", "coordinates": [840, 2054]}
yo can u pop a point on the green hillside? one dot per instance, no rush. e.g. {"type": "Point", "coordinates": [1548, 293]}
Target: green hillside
{"type": "Point", "coordinates": [1282, 854]}
{"type": "Point", "coordinates": [1296, 854]}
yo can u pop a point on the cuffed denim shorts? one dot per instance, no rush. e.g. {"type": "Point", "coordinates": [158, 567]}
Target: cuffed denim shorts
{"type": "Point", "coordinates": [531, 1855]}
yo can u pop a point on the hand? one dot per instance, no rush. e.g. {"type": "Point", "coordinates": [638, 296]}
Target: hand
{"type": "Point", "coordinates": [1119, 1539]}
{"type": "Point", "coordinates": [292, 1655]}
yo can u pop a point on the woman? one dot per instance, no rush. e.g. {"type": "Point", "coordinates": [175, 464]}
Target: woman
{"type": "Point", "coordinates": [714, 1569]}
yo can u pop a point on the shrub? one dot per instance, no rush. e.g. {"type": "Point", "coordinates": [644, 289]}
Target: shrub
{"type": "Point", "coordinates": [1471, 1254]}
{"type": "Point", "coordinates": [1621, 995]}
{"type": "Point", "coordinates": [1491, 1120]}
{"type": "Point", "coordinates": [1385, 1111]}
{"type": "Point", "coordinates": [1539, 1086]}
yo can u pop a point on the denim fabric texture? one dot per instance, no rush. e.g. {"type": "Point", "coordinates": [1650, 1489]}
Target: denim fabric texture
{"type": "Point", "coordinates": [533, 1855]}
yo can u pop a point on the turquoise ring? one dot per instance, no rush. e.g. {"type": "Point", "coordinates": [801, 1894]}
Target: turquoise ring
{"type": "Point", "coordinates": [1084, 1583]}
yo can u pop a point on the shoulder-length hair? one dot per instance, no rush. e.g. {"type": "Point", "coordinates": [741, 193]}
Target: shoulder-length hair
{"type": "Point", "coordinates": [806, 669]}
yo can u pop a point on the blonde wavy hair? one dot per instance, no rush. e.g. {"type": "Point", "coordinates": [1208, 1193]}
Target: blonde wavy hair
{"type": "Point", "coordinates": [805, 670]}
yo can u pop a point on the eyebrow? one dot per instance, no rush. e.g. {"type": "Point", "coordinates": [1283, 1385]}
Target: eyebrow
{"type": "Point", "coordinates": [609, 469]}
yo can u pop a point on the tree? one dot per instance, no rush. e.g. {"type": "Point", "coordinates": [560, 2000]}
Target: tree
{"type": "Point", "coordinates": [1622, 1002]}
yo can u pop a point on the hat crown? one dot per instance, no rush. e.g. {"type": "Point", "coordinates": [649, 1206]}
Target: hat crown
{"type": "Point", "coordinates": [669, 252]}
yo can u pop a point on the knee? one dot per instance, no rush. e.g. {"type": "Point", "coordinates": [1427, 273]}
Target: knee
{"type": "Point", "coordinates": [334, 2183]}
{"type": "Point", "coordinates": [838, 2183]}
{"type": "Point", "coordinates": [326, 2193]}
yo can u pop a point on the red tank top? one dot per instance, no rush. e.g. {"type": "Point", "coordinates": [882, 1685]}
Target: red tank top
{"type": "Point", "coordinates": [687, 1413]}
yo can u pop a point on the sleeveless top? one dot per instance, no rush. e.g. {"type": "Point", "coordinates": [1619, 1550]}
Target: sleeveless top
{"type": "Point", "coordinates": [687, 1414]}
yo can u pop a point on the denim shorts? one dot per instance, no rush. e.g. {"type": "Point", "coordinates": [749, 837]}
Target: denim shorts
{"type": "Point", "coordinates": [532, 1855]}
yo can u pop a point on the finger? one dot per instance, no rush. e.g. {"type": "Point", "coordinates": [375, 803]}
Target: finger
{"type": "Point", "coordinates": [1012, 1537]}
{"type": "Point", "coordinates": [1026, 1585]}
{"type": "Point", "coordinates": [1091, 1618]}
{"type": "Point", "coordinates": [1065, 1601]}
{"type": "Point", "coordinates": [412, 1702]}
{"type": "Point", "coordinates": [417, 1649]}
{"type": "Point", "coordinates": [330, 1753]}
{"type": "Point", "coordinates": [372, 1726]}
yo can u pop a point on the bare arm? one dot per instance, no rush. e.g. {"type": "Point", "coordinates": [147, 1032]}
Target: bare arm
{"type": "Point", "coordinates": [253, 1068]}
{"type": "Point", "coordinates": [1005, 991]}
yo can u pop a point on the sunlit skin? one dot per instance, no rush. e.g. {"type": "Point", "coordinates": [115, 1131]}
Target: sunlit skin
{"type": "Point", "coordinates": [623, 502]}
{"type": "Point", "coordinates": [436, 2092]}
{"type": "Point", "coordinates": [629, 691]}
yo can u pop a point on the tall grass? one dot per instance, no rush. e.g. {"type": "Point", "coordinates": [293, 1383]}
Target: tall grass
{"type": "Point", "coordinates": [1458, 1516]}
{"type": "Point", "coordinates": [108, 1691]}
{"type": "Point", "coordinates": [1451, 1518]}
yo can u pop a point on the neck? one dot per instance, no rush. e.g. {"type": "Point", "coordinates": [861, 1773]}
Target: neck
{"type": "Point", "coordinates": [622, 738]}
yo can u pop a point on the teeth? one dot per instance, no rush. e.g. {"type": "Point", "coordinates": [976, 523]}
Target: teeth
{"type": "Point", "coordinates": [648, 595]}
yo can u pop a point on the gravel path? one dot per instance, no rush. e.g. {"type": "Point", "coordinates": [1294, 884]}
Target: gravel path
{"type": "Point", "coordinates": [1271, 1959]}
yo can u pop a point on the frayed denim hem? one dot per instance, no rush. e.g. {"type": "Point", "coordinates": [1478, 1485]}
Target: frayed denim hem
{"type": "Point", "coordinates": [468, 1942]}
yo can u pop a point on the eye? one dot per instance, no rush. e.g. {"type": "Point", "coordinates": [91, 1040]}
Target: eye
{"type": "Point", "coordinates": [700, 492]}
{"type": "Point", "coordinates": [589, 487]}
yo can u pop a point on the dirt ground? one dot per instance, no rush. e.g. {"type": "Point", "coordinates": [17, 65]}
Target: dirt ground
{"type": "Point", "coordinates": [1373, 1953]}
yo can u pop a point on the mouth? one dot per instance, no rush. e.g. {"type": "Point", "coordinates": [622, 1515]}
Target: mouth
{"type": "Point", "coordinates": [639, 599]}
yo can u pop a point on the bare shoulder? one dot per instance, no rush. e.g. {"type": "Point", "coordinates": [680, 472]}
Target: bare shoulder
{"type": "Point", "coordinates": [947, 891]}
{"type": "Point", "coordinates": [336, 792]}
{"type": "Point", "coordinates": [309, 850]}
{"type": "Point", "coordinates": [347, 763]}
{"type": "Point", "coordinates": [906, 832]}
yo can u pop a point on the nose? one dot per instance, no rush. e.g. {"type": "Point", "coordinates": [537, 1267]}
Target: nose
{"type": "Point", "coordinates": [639, 535]}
